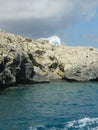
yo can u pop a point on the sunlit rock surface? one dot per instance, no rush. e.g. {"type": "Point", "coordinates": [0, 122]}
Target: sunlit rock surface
{"type": "Point", "coordinates": [24, 60]}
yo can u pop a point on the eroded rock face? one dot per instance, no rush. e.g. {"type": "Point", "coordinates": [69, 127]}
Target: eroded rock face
{"type": "Point", "coordinates": [24, 60]}
{"type": "Point", "coordinates": [15, 65]}
{"type": "Point", "coordinates": [84, 67]}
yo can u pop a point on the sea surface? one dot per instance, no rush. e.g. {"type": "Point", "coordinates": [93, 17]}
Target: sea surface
{"type": "Point", "coordinates": [53, 106]}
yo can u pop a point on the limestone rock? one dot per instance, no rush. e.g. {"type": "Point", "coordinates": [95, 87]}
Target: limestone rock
{"type": "Point", "coordinates": [24, 60]}
{"type": "Point", "coordinates": [15, 66]}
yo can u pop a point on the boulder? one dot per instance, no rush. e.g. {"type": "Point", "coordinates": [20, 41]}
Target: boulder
{"type": "Point", "coordinates": [85, 67]}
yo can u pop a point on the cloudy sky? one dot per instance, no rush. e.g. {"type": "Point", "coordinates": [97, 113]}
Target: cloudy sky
{"type": "Point", "coordinates": [75, 21]}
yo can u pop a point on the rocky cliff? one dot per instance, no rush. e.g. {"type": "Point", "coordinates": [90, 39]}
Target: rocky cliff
{"type": "Point", "coordinates": [24, 60]}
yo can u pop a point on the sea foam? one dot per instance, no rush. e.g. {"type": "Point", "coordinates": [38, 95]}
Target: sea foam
{"type": "Point", "coordinates": [81, 124]}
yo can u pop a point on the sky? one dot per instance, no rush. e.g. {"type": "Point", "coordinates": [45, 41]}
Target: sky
{"type": "Point", "coordinates": [74, 21]}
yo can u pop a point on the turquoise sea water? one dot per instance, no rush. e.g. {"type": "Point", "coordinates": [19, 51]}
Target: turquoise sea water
{"type": "Point", "coordinates": [54, 106]}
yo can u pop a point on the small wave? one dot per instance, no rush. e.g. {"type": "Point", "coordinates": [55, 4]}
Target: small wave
{"type": "Point", "coordinates": [81, 124]}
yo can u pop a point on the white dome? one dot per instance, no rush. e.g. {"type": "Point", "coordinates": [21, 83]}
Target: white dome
{"type": "Point", "coordinates": [54, 40]}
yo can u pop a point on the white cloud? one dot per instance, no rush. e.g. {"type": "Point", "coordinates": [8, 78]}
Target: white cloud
{"type": "Point", "coordinates": [13, 9]}
{"type": "Point", "coordinates": [44, 14]}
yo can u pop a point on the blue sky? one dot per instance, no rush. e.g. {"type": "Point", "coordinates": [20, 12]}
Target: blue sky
{"type": "Point", "coordinates": [75, 21]}
{"type": "Point", "coordinates": [82, 33]}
